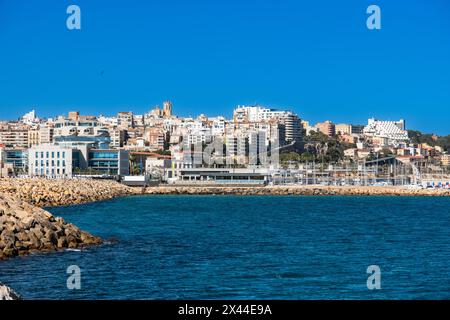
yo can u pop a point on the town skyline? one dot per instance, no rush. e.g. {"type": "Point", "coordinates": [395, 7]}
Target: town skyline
{"type": "Point", "coordinates": [228, 115]}
{"type": "Point", "coordinates": [207, 57]}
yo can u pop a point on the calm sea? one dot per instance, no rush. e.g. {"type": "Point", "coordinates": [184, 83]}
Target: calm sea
{"type": "Point", "coordinates": [230, 247]}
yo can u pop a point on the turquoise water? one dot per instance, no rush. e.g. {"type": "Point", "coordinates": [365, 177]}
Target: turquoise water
{"type": "Point", "coordinates": [229, 247]}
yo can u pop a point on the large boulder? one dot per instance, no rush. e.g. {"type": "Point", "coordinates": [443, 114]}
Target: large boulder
{"type": "Point", "coordinates": [7, 293]}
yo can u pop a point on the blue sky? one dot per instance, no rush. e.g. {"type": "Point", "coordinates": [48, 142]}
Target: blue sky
{"type": "Point", "coordinates": [315, 57]}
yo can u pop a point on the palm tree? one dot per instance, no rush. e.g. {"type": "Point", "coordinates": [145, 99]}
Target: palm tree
{"type": "Point", "coordinates": [132, 159]}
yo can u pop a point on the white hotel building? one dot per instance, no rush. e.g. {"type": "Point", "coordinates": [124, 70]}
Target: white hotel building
{"type": "Point", "coordinates": [387, 133]}
{"type": "Point", "coordinates": [50, 160]}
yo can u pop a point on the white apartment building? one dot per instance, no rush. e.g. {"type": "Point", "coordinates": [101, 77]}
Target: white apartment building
{"type": "Point", "coordinates": [30, 118]}
{"type": "Point", "coordinates": [50, 161]}
{"type": "Point", "coordinates": [80, 127]}
{"type": "Point", "coordinates": [389, 133]}
{"type": "Point", "coordinates": [256, 114]}
{"type": "Point", "coordinates": [42, 135]}
{"type": "Point", "coordinates": [218, 126]}
{"type": "Point", "coordinates": [108, 121]}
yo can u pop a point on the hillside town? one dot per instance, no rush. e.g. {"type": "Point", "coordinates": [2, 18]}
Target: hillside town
{"type": "Point", "coordinates": [258, 146]}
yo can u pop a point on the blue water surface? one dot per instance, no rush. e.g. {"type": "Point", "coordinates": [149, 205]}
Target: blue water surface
{"type": "Point", "coordinates": [252, 247]}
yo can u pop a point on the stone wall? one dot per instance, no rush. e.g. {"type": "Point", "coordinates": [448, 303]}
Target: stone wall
{"type": "Point", "coordinates": [298, 190]}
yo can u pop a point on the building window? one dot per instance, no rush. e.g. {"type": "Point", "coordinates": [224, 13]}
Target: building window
{"type": "Point", "coordinates": [57, 154]}
{"type": "Point", "coordinates": [47, 154]}
{"type": "Point", "coordinates": [53, 154]}
{"type": "Point", "coordinates": [37, 154]}
{"type": "Point", "coordinates": [64, 154]}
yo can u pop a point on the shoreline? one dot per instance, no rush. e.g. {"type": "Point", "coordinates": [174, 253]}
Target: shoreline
{"type": "Point", "coordinates": [310, 190]}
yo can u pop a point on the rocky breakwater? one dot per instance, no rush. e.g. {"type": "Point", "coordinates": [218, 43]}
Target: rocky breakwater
{"type": "Point", "coordinates": [25, 229]}
{"type": "Point", "coordinates": [312, 190]}
{"type": "Point", "coordinates": [47, 193]}
{"type": "Point", "coordinates": [7, 293]}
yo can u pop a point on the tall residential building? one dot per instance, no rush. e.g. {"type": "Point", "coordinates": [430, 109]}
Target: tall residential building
{"type": "Point", "coordinates": [46, 134]}
{"type": "Point", "coordinates": [34, 137]}
{"type": "Point", "coordinates": [156, 138]}
{"type": "Point", "coordinates": [125, 120]}
{"type": "Point", "coordinates": [14, 137]}
{"type": "Point", "coordinates": [293, 127]}
{"type": "Point", "coordinates": [117, 136]}
{"type": "Point", "coordinates": [327, 128]}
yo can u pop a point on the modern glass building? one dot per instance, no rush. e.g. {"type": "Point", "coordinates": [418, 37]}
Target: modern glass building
{"type": "Point", "coordinates": [18, 158]}
{"type": "Point", "coordinates": [109, 161]}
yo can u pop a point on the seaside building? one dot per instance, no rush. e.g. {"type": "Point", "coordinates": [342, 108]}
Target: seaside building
{"type": "Point", "coordinates": [6, 169]}
{"type": "Point", "coordinates": [228, 176]}
{"type": "Point", "coordinates": [109, 162]}
{"type": "Point", "coordinates": [65, 160]}
{"type": "Point", "coordinates": [386, 133]}
{"type": "Point", "coordinates": [52, 161]}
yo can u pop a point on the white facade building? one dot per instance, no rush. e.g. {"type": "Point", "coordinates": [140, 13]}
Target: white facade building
{"type": "Point", "coordinates": [392, 133]}
{"type": "Point", "coordinates": [256, 114]}
{"type": "Point", "coordinates": [50, 161]}
{"type": "Point", "coordinates": [30, 118]}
